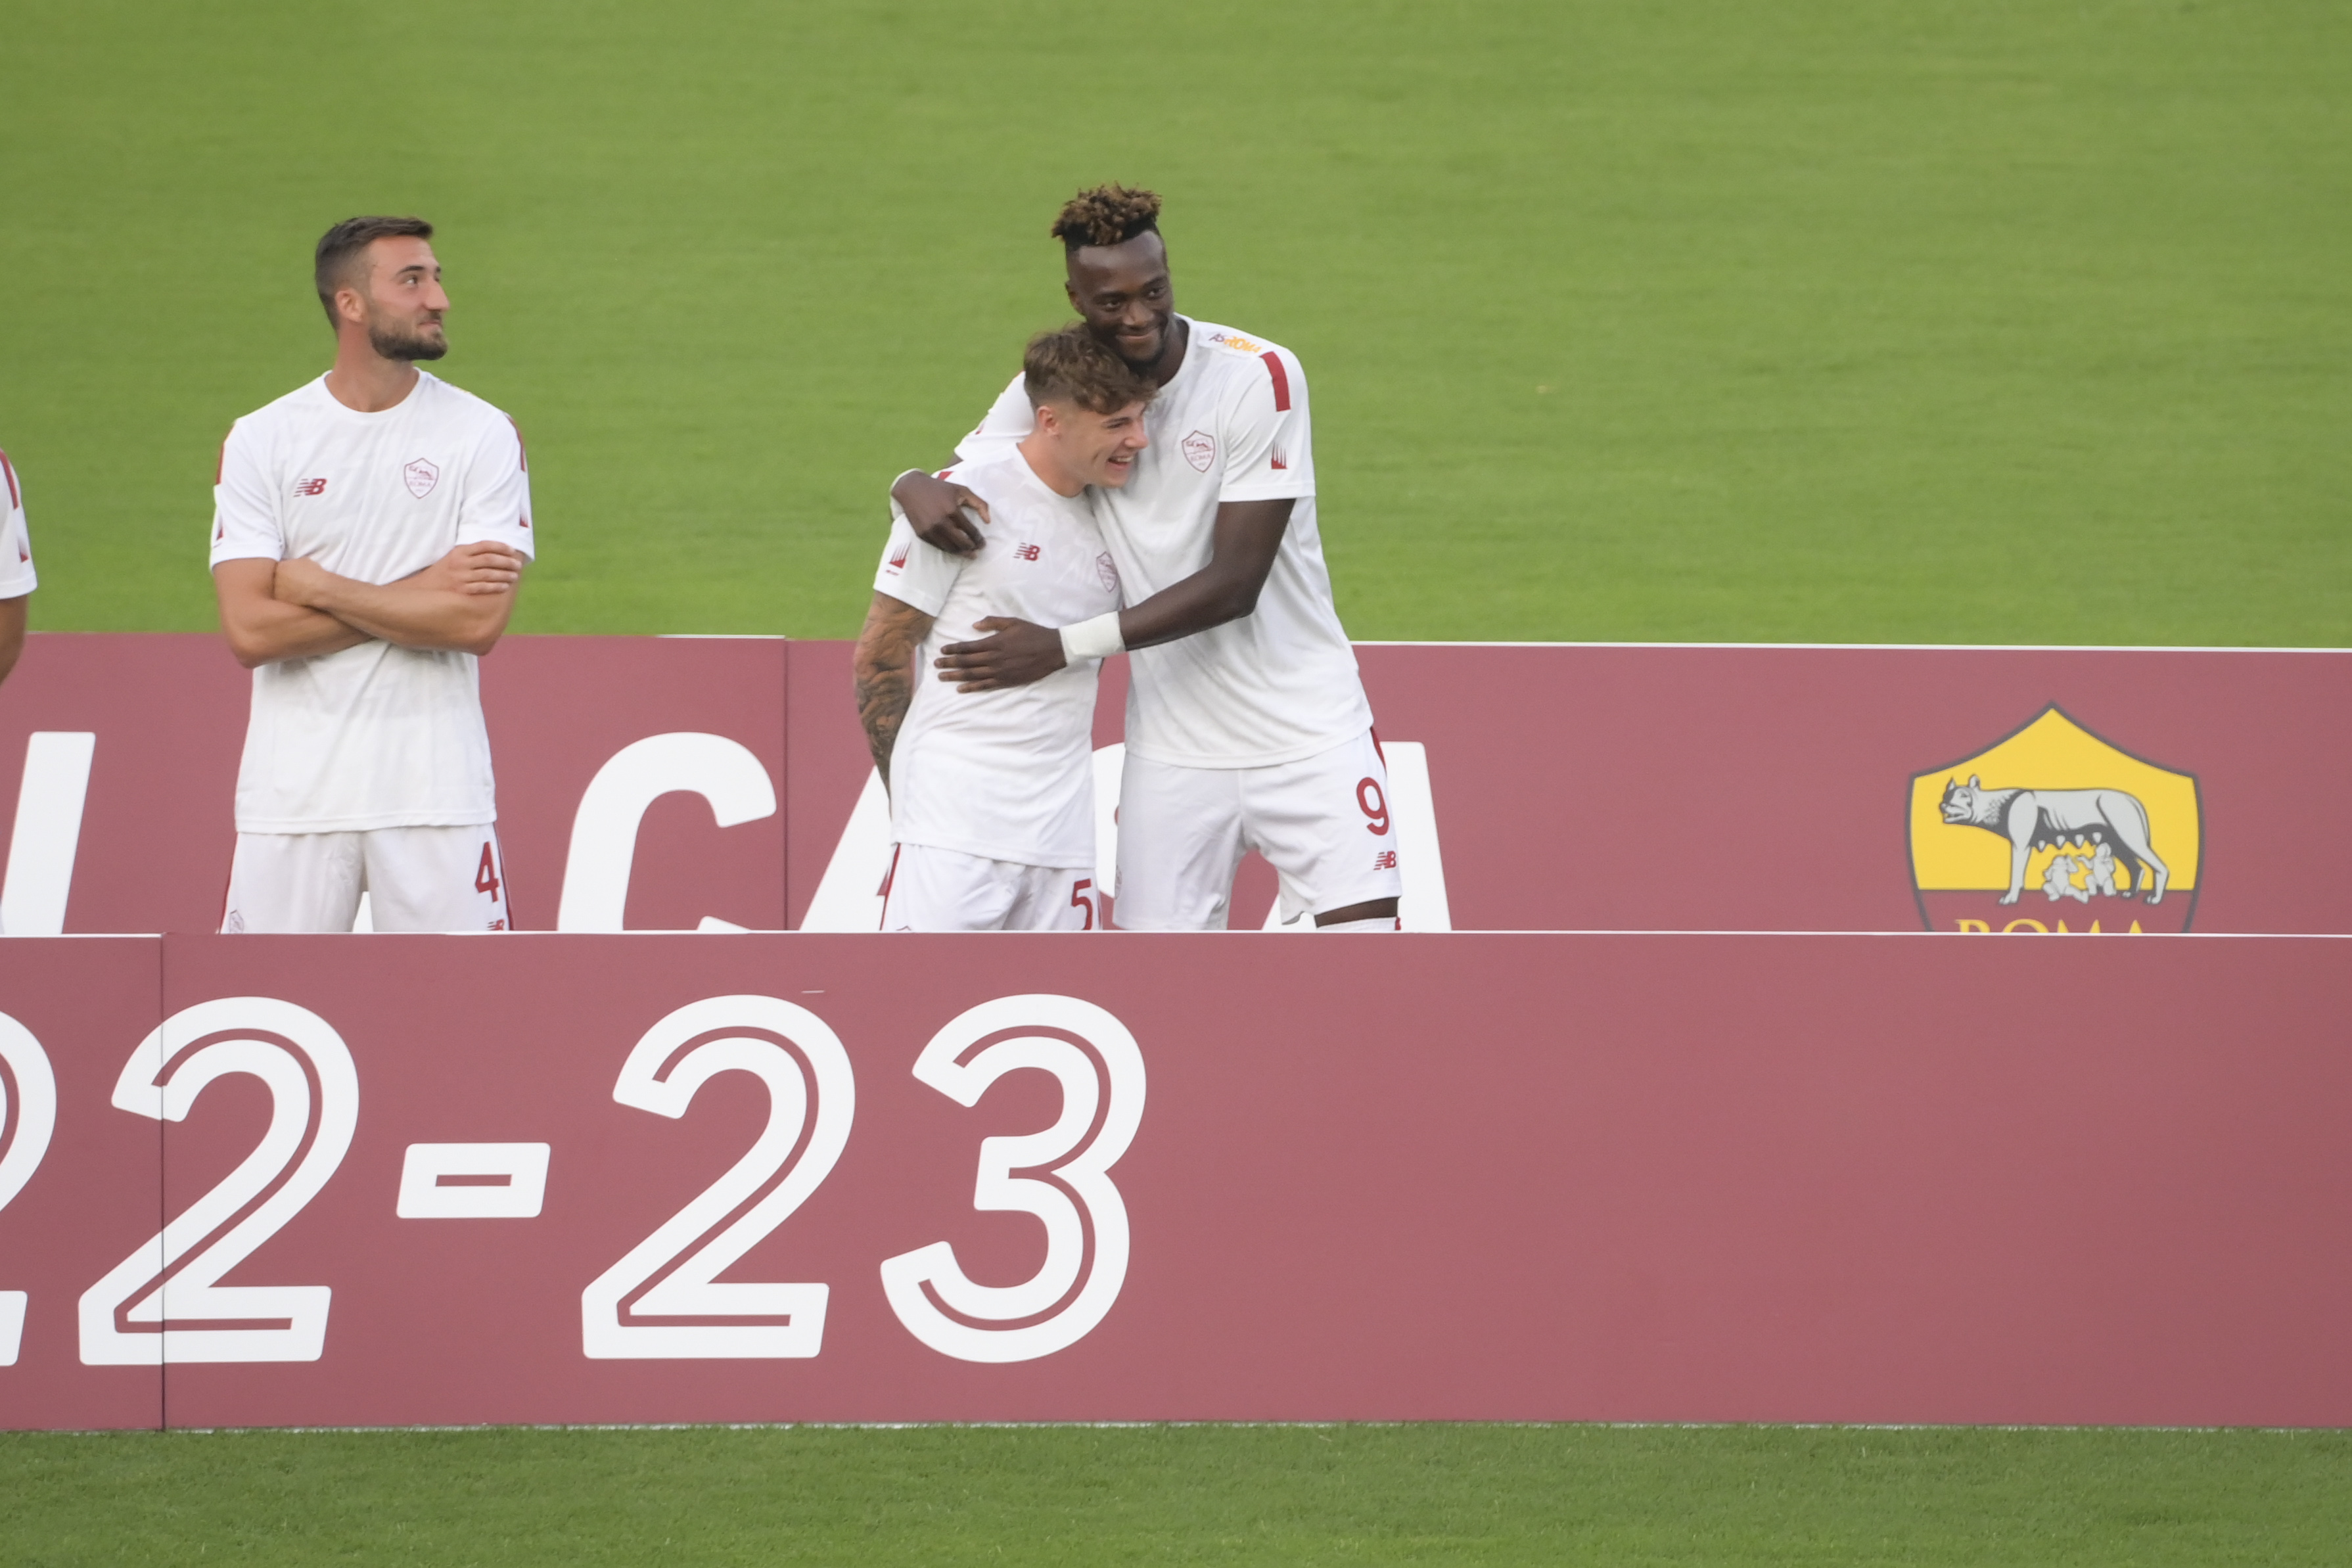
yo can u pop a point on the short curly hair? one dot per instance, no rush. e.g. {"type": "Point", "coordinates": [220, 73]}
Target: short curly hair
{"type": "Point", "coordinates": [1070, 365]}
{"type": "Point", "coordinates": [1106, 214]}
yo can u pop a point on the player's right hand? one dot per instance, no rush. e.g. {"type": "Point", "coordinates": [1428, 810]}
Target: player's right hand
{"type": "Point", "coordinates": [484, 567]}
{"type": "Point", "coordinates": [935, 510]}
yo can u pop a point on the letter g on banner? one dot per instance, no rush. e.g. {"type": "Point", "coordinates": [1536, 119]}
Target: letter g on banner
{"type": "Point", "coordinates": [996, 1329]}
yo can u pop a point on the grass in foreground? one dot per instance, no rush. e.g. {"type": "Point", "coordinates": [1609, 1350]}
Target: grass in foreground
{"type": "Point", "coordinates": [1730, 1496]}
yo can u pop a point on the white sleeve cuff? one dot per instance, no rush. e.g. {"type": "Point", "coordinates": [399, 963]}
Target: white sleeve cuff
{"type": "Point", "coordinates": [1096, 639]}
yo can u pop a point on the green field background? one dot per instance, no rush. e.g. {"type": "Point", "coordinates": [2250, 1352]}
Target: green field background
{"type": "Point", "coordinates": [1817, 320]}
{"type": "Point", "coordinates": [1824, 320]}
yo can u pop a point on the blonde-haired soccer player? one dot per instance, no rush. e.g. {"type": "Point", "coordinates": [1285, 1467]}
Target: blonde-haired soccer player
{"type": "Point", "coordinates": [992, 793]}
{"type": "Point", "coordinates": [369, 531]}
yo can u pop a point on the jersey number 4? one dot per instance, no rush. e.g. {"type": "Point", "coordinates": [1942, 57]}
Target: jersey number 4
{"type": "Point", "coordinates": [486, 875]}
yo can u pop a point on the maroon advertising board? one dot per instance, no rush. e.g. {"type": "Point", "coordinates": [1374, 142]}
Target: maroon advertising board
{"type": "Point", "coordinates": [1526, 1177]}
{"type": "Point", "coordinates": [80, 1180]}
{"type": "Point", "coordinates": [685, 783]}
{"type": "Point", "coordinates": [1759, 788]}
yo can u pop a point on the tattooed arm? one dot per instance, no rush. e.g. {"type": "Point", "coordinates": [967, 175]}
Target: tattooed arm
{"type": "Point", "coordinates": [884, 665]}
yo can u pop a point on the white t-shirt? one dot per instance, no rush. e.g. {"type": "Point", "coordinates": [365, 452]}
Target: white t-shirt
{"type": "Point", "coordinates": [16, 578]}
{"type": "Point", "coordinates": [1280, 683]}
{"type": "Point", "coordinates": [1009, 774]}
{"type": "Point", "coordinates": [377, 735]}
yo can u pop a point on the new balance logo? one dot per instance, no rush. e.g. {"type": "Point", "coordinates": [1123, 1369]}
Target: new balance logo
{"type": "Point", "coordinates": [1384, 861]}
{"type": "Point", "coordinates": [1028, 551]}
{"type": "Point", "coordinates": [310, 487]}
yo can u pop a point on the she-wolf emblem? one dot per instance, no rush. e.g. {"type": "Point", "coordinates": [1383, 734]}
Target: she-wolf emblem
{"type": "Point", "coordinates": [2034, 819]}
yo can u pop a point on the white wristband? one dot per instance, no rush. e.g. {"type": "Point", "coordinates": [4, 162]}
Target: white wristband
{"type": "Point", "coordinates": [1096, 639]}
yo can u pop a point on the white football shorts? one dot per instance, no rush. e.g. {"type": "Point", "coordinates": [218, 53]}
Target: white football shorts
{"type": "Point", "coordinates": [930, 889]}
{"type": "Point", "coordinates": [1321, 822]}
{"type": "Point", "coordinates": [416, 879]}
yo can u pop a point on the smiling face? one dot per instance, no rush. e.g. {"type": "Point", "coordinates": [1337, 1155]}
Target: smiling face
{"type": "Point", "coordinates": [1124, 293]}
{"type": "Point", "coordinates": [1074, 447]}
{"type": "Point", "coordinates": [399, 300]}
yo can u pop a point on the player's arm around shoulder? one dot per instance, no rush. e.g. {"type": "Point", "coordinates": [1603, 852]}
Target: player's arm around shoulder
{"type": "Point", "coordinates": [940, 510]}
{"type": "Point", "coordinates": [1261, 435]}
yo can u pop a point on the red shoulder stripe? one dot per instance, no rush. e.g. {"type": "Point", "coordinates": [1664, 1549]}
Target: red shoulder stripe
{"type": "Point", "coordinates": [15, 499]}
{"type": "Point", "coordinates": [220, 463]}
{"type": "Point", "coordinates": [522, 447]}
{"type": "Point", "coordinates": [1281, 380]}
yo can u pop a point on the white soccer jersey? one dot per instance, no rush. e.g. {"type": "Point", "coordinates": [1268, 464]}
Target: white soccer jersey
{"type": "Point", "coordinates": [16, 578]}
{"type": "Point", "coordinates": [377, 735]}
{"type": "Point", "coordinates": [1009, 774]}
{"type": "Point", "coordinates": [1278, 684]}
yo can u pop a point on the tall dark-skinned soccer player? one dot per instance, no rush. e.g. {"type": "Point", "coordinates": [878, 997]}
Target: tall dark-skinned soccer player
{"type": "Point", "coordinates": [1247, 727]}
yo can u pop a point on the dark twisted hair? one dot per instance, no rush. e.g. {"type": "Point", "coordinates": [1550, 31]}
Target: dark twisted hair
{"type": "Point", "coordinates": [1106, 214]}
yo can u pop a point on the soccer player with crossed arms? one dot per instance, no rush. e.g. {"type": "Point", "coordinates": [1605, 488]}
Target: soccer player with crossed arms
{"type": "Point", "coordinates": [369, 531]}
{"type": "Point", "coordinates": [1247, 724]}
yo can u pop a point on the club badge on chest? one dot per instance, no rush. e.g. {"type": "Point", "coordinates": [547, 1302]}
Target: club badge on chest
{"type": "Point", "coordinates": [420, 476]}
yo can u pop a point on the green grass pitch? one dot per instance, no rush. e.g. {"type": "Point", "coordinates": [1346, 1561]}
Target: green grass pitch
{"type": "Point", "coordinates": [1627, 1497]}
{"type": "Point", "coordinates": [1826, 319]}
{"type": "Point", "coordinates": [1823, 320]}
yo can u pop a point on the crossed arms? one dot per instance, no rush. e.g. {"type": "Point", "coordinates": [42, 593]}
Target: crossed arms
{"type": "Point", "coordinates": [273, 610]}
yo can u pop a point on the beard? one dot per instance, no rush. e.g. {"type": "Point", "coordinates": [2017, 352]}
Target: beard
{"type": "Point", "coordinates": [1158, 347]}
{"type": "Point", "coordinates": [409, 343]}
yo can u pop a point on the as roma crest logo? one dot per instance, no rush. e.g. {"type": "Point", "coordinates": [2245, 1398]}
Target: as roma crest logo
{"type": "Point", "coordinates": [2055, 831]}
{"type": "Point", "coordinates": [1200, 449]}
{"type": "Point", "coordinates": [421, 477]}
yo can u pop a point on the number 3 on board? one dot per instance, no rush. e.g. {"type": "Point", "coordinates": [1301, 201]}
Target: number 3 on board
{"type": "Point", "coordinates": [1022, 1322]}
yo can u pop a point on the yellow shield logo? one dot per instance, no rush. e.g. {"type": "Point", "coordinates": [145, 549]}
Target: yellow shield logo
{"type": "Point", "coordinates": [2055, 831]}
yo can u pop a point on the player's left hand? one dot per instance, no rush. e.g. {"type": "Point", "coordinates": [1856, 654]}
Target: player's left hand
{"type": "Point", "coordinates": [299, 582]}
{"type": "Point", "coordinates": [1014, 654]}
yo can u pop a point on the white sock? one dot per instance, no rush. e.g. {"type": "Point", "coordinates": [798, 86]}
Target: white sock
{"type": "Point", "coordinates": [1384, 922]}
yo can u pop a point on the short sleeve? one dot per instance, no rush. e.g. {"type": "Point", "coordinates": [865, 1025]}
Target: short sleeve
{"type": "Point", "coordinates": [17, 577]}
{"type": "Point", "coordinates": [1008, 423]}
{"type": "Point", "coordinates": [495, 507]}
{"type": "Point", "coordinates": [912, 572]}
{"type": "Point", "coordinates": [1269, 454]}
{"type": "Point", "coordinates": [245, 510]}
